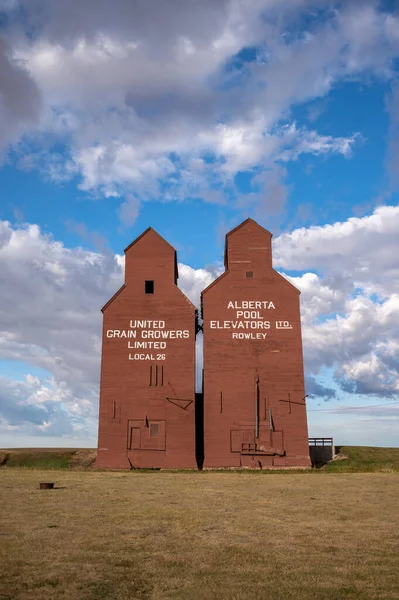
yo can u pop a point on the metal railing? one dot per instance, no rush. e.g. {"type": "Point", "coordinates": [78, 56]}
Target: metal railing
{"type": "Point", "coordinates": [319, 441]}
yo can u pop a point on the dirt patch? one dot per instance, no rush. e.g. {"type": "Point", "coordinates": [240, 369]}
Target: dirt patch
{"type": "Point", "coordinates": [83, 459]}
{"type": "Point", "coordinates": [341, 456]}
{"type": "Point", "coordinates": [4, 456]}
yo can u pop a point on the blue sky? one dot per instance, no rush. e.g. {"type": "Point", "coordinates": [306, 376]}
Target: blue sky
{"type": "Point", "coordinates": [190, 118]}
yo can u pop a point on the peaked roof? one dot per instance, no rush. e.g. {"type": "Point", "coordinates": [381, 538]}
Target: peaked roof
{"type": "Point", "coordinates": [145, 233]}
{"type": "Point", "coordinates": [249, 220]}
{"type": "Point", "coordinates": [113, 297]}
{"type": "Point", "coordinates": [148, 230]}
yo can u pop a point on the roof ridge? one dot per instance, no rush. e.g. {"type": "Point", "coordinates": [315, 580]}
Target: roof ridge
{"type": "Point", "coordinates": [145, 233]}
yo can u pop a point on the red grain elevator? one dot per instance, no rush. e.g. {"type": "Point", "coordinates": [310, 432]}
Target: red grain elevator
{"type": "Point", "coordinates": [253, 379]}
{"type": "Point", "coordinates": [147, 389]}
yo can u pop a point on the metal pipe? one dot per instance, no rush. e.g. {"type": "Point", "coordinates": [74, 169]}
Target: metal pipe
{"type": "Point", "coordinates": [257, 407]}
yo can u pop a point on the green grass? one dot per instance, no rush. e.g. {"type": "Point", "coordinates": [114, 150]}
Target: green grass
{"type": "Point", "coordinates": [350, 459]}
{"type": "Point", "coordinates": [364, 459]}
{"type": "Point", "coordinates": [199, 536]}
{"type": "Point", "coordinates": [46, 458]}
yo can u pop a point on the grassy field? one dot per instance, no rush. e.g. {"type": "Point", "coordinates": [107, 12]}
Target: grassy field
{"type": "Point", "coordinates": [360, 459]}
{"type": "Point", "coordinates": [209, 535]}
{"type": "Point", "coordinates": [350, 459]}
{"type": "Point", "coordinates": [48, 458]}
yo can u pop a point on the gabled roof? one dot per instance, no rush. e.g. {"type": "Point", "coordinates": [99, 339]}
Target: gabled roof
{"type": "Point", "coordinates": [132, 244]}
{"type": "Point", "coordinates": [187, 300]}
{"type": "Point", "coordinates": [145, 233]}
{"type": "Point", "coordinates": [163, 239]}
{"type": "Point", "coordinates": [113, 297]}
{"type": "Point", "coordinates": [249, 220]}
{"type": "Point", "coordinates": [213, 283]}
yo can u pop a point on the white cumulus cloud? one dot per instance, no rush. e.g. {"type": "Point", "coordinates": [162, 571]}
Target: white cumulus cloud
{"type": "Point", "coordinates": [139, 94]}
{"type": "Point", "coordinates": [51, 296]}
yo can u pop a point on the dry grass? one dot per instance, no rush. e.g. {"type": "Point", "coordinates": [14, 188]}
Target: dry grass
{"type": "Point", "coordinates": [198, 536]}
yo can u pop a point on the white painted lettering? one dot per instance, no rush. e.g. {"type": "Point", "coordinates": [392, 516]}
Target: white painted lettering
{"type": "Point", "coordinates": [141, 357]}
{"type": "Point", "coordinates": [283, 325]}
{"type": "Point", "coordinates": [251, 304]}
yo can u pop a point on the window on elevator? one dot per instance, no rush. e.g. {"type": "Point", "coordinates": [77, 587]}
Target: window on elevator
{"type": "Point", "coordinates": [156, 375]}
{"type": "Point", "coordinates": [149, 287]}
{"type": "Point", "coordinates": [154, 429]}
